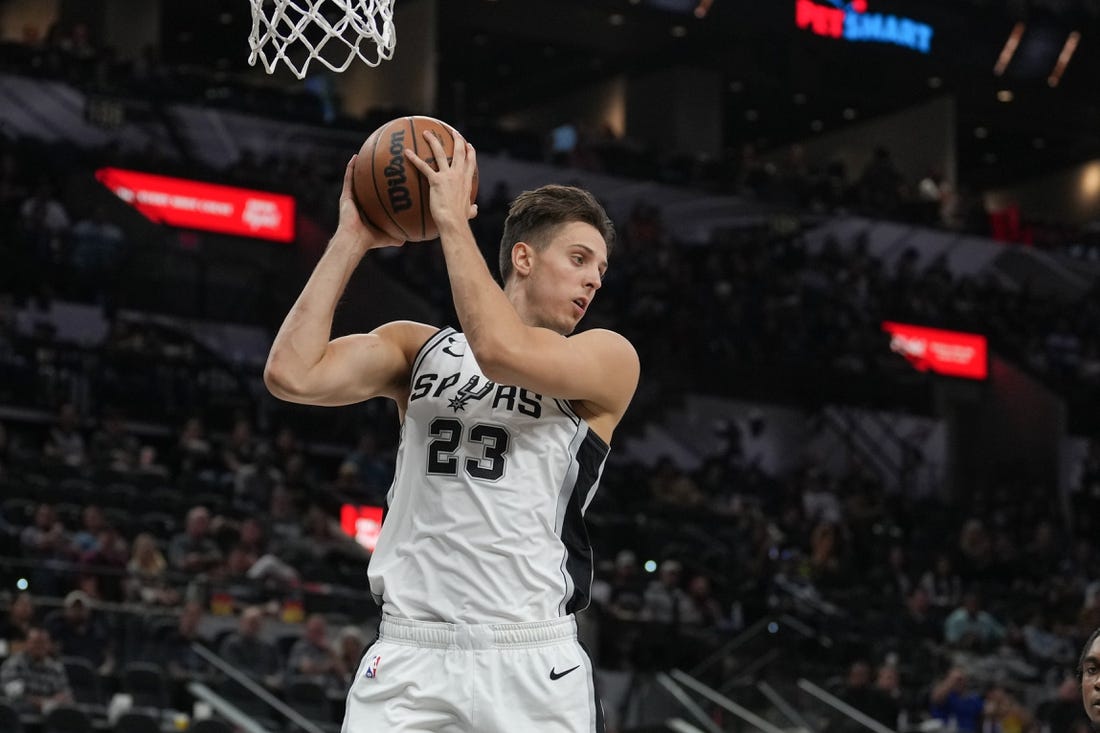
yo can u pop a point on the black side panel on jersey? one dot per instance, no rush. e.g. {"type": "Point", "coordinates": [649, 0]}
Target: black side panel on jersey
{"type": "Point", "coordinates": [574, 535]}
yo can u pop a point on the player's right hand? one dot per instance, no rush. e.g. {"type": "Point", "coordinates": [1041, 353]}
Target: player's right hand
{"type": "Point", "coordinates": [354, 224]}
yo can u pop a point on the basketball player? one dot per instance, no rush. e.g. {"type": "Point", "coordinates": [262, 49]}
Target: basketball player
{"type": "Point", "coordinates": [483, 557]}
{"type": "Point", "coordinates": [1088, 673]}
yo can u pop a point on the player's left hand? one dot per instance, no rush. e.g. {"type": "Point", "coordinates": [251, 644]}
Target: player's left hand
{"type": "Point", "coordinates": [452, 182]}
{"type": "Point", "coordinates": [352, 221]}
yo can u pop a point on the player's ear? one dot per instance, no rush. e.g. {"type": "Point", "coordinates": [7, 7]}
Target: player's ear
{"type": "Point", "coordinates": [522, 258]}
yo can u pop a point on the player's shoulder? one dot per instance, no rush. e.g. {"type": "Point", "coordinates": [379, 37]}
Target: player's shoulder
{"type": "Point", "coordinates": [606, 340]}
{"type": "Point", "coordinates": [409, 336]}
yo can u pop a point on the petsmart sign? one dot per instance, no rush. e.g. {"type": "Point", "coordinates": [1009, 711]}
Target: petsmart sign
{"type": "Point", "coordinates": [849, 20]}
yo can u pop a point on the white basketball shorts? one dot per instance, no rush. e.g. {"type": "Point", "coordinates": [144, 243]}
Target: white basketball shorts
{"type": "Point", "coordinates": [486, 678]}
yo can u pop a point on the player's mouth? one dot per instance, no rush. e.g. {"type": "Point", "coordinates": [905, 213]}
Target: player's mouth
{"type": "Point", "coordinates": [582, 304]}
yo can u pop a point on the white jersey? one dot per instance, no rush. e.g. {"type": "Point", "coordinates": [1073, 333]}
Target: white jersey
{"type": "Point", "coordinates": [485, 514]}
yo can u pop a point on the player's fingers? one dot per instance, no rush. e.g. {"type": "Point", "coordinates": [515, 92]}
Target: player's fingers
{"type": "Point", "coordinates": [349, 172]}
{"type": "Point", "coordinates": [459, 149]}
{"type": "Point", "coordinates": [421, 166]}
{"type": "Point", "coordinates": [469, 153]}
{"type": "Point", "coordinates": [437, 148]}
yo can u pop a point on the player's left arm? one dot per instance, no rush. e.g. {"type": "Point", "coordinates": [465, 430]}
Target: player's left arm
{"type": "Point", "coordinates": [599, 367]}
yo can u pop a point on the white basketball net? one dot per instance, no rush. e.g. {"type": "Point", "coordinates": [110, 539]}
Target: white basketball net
{"type": "Point", "coordinates": [332, 31]}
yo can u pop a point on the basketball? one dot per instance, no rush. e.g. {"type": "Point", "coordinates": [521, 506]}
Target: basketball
{"type": "Point", "coordinates": [390, 192]}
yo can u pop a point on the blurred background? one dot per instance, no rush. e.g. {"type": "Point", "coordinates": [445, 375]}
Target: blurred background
{"type": "Point", "coordinates": [858, 255]}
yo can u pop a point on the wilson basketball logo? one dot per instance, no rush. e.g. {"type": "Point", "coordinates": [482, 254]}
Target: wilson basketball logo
{"type": "Point", "coordinates": [400, 198]}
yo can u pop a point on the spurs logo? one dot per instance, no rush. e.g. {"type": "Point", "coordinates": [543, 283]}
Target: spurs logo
{"type": "Point", "coordinates": [467, 393]}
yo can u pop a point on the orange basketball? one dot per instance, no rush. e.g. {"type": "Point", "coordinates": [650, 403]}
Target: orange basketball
{"type": "Point", "coordinates": [391, 193]}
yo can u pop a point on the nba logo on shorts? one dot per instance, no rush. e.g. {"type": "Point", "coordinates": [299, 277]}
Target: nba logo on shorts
{"type": "Point", "coordinates": [372, 668]}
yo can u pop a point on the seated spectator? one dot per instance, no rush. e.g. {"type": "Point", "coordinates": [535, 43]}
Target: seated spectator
{"type": "Point", "coordinates": [953, 699]}
{"type": "Point", "coordinates": [284, 522]}
{"type": "Point", "coordinates": [350, 646]}
{"type": "Point", "coordinates": [916, 622]}
{"type": "Point", "coordinates": [33, 679]}
{"type": "Point", "coordinates": [1004, 713]}
{"type": "Point", "coordinates": [865, 697]}
{"type": "Point", "coordinates": [180, 659]}
{"type": "Point", "coordinates": [65, 441]}
{"type": "Point", "coordinates": [375, 470]}
{"type": "Point", "coordinates": [894, 699]}
{"type": "Point", "coordinates": [324, 543]}
{"type": "Point", "coordinates": [1088, 617]}
{"type": "Point", "coordinates": [194, 550]}
{"type": "Point", "coordinates": [239, 449]}
{"type": "Point", "coordinates": [245, 576]}
{"type": "Point", "coordinates": [298, 476]}
{"type": "Point", "coordinates": [1043, 645]}
{"type": "Point", "coordinates": [19, 621]}
{"type": "Point", "coordinates": [970, 627]}
{"type": "Point", "coordinates": [45, 221]}
{"type": "Point", "coordinates": [86, 539]}
{"type": "Point", "coordinates": [255, 482]}
{"type": "Point", "coordinates": [312, 656]}
{"type": "Point", "coordinates": [248, 652]}
{"type": "Point", "coordinates": [194, 453]}
{"type": "Point", "coordinates": [113, 447]}
{"type": "Point", "coordinates": [1062, 711]}
{"type": "Point", "coordinates": [250, 536]}
{"type": "Point", "coordinates": [702, 609]}
{"type": "Point", "coordinates": [943, 584]}
{"type": "Point", "coordinates": [625, 598]}
{"type": "Point", "coordinates": [44, 541]}
{"type": "Point", "coordinates": [96, 245]}
{"type": "Point", "coordinates": [79, 632]}
{"type": "Point", "coordinates": [665, 602]}
{"type": "Point", "coordinates": [672, 488]}
{"type": "Point", "coordinates": [111, 553]}
{"type": "Point", "coordinates": [148, 574]}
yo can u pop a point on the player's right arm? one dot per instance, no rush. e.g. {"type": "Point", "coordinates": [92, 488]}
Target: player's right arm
{"type": "Point", "coordinates": [305, 365]}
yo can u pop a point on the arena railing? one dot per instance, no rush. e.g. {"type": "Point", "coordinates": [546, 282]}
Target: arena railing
{"type": "Point", "coordinates": [256, 690]}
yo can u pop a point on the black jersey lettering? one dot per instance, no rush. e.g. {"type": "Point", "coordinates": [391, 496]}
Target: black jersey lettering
{"type": "Point", "coordinates": [530, 403]}
{"type": "Point", "coordinates": [448, 381]}
{"type": "Point", "coordinates": [506, 394]}
{"type": "Point", "coordinates": [423, 386]}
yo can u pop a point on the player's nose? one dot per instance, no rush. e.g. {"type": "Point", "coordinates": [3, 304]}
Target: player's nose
{"type": "Point", "coordinates": [592, 279]}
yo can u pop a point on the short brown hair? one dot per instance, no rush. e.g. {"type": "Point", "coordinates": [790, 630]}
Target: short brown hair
{"type": "Point", "coordinates": [534, 214]}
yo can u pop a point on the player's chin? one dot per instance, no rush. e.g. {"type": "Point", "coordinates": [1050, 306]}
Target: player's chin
{"type": "Point", "coordinates": [568, 326]}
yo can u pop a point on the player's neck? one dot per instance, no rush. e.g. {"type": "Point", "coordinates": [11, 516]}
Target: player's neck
{"type": "Point", "coordinates": [517, 296]}
{"type": "Point", "coordinates": [525, 309]}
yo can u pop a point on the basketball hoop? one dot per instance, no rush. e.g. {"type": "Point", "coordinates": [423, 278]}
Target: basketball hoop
{"type": "Point", "coordinates": [332, 31]}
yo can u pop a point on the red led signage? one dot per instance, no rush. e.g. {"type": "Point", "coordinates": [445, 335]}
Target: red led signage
{"type": "Point", "coordinates": [362, 523]}
{"type": "Point", "coordinates": [950, 353]}
{"type": "Point", "coordinates": [188, 204]}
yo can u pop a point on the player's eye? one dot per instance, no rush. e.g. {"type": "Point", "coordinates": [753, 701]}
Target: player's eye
{"type": "Point", "coordinates": [578, 259]}
{"type": "Point", "coordinates": [1090, 670]}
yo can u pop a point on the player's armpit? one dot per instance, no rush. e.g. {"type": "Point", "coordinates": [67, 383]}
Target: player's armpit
{"type": "Point", "coordinates": [353, 368]}
{"type": "Point", "coordinates": [598, 366]}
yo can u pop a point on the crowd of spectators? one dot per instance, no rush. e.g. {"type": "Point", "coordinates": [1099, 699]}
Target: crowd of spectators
{"type": "Point", "coordinates": [878, 189]}
{"type": "Point", "coordinates": [757, 308]}
{"type": "Point", "coordinates": [986, 597]}
{"type": "Point", "coordinates": [135, 541]}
